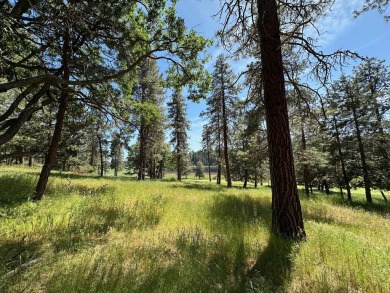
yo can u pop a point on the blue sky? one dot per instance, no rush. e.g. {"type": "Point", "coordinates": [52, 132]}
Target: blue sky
{"type": "Point", "coordinates": [367, 35]}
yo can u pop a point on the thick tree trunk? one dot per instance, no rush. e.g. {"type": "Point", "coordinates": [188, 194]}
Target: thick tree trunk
{"type": "Point", "coordinates": [366, 176]}
{"type": "Point", "coordinates": [286, 208]}
{"type": "Point", "coordinates": [55, 140]}
{"type": "Point", "coordinates": [341, 155]}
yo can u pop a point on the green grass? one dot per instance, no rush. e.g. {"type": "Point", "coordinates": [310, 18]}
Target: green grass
{"type": "Point", "coordinates": [120, 235]}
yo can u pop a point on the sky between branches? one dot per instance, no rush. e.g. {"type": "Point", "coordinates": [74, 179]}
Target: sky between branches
{"type": "Point", "coordinates": [368, 35]}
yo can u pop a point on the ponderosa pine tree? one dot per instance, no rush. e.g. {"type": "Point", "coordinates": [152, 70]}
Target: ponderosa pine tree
{"type": "Point", "coordinates": [220, 105]}
{"type": "Point", "coordinates": [116, 153]}
{"type": "Point", "coordinates": [147, 95]}
{"type": "Point", "coordinates": [179, 124]}
{"type": "Point", "coordinates": [262, 29]}
{"type": "Point", "coordinates": [355, 116]}
{"type": "Point", "coordinates": [75, 46]}
{"type": "Point", "coordinates": [206, 144]}
{"type": "Point", "coordinates": [372, 84]}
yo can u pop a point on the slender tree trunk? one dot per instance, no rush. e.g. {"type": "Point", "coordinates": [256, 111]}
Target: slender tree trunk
{"type": "Point", "coordinates": [55, 140]}
{"type": "Point", "coordinates": [208, 162]}
{"type": "Point", "coordinates": [141, 163]}
{"type": "Point", "coordinates": [341, 155]}
{"type": "Point", "coordinates": [115, 166]}
{"type": "Point", "coordinates": [101, 156]}
{"type": "Point", "coordinates": [366, 176]}
{"type": "Point", "coordinates": [30, 161]}
{"type": "Point", "coordinates": [225, 139]}
{"type": "Point", "coordinates": [93, 153]}
{"type": "Point", "coordinates": [305, 165]}
{"type": "Point", "coordinates": [178, 167]}
{"type": "Point", "coordinates": [219, 171]}
{"type": "Point", "coordinates": [286, 208]}
{"type": "Point", "coordinates": [383, 195]}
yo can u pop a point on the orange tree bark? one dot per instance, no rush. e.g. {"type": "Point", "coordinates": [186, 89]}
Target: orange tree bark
{"type": "Point", "coordinates": [286, 208]}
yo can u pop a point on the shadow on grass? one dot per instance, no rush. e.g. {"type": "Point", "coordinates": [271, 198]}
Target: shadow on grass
{"type": "Point", "coordinates": [16, 188]}
{"type": "Point", "coordinates": [17, 252]}
{"type": "Point", "coordinates": [195, 186]}
{"type": "Point", "coordinates": [241, 209]}
{"type": "Point", "coordinates": [272, 270]}
{"type": "Point", "coordinates": [84, 226]}
{"type": "Point", "coordinates": [380, 207]}
{"type": "Point", "coordinates": [207, 186]}
{"type": "Point", "coordinates": [71, 176]}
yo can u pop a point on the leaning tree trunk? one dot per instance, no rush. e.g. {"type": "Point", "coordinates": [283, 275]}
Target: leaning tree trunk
{"type": "Point", "coordinates": [286, 208]}
{"type": "Point", "coordinates": [55, 140]}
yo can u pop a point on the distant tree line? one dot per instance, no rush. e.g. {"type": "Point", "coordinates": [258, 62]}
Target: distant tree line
{"type": "Point", "coordinates": [81, 86]}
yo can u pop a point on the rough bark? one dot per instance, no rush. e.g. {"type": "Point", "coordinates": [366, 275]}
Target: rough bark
{"type": "Point", "coordinates": [286, 208]}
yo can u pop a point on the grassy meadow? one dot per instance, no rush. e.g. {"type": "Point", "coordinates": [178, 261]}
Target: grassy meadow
{"type": "Point", "coordinates": [92, 234]}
